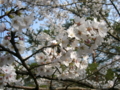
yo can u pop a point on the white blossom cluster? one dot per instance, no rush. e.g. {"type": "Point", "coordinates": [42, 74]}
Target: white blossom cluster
{"type": "Point", "coordinates": [7, 75]}
{"type": "Point", "coordinates": [60, 53]}
{"type": "Point", "coordinates": [75, 45]}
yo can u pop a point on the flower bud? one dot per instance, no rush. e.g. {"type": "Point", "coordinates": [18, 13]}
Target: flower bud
{"type": "Point", "coordinates": [10, 16]}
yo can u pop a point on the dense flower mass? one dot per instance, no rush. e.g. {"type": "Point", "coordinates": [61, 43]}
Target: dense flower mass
{"type": "Point", "coordinates": [7, 74]}
{"type": "Point", "coordinates": [64, 47]}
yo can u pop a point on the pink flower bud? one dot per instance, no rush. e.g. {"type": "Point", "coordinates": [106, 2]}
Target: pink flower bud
{"type": "Point", "coordinates": [20, 38]}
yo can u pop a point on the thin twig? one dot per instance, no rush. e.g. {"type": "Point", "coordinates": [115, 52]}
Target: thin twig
{"type": "Point", "coordinates": [51, 87]}
{"type": "Point", "coordinates": [41, 49]}
{"type": "Point", "coordinates": [115, 7]}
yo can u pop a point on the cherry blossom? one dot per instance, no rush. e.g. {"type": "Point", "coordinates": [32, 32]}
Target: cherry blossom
{"type": "Point", "coordinates": [58, 50]}
{"type": "Point", "coordinates": [2, 27]}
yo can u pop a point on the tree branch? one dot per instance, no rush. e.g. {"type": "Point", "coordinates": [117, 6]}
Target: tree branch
{"type": "Point", "coordinates": [18, 55]}
{"type": "Point", "coordinates": [10, 12]}
{"type": "Point", "coordinates": [41, 49]}
{"type": "Point", "coordinates": [109, 26]}
{"type": "Point", "coordinates": [115, 7]}
{"type": "Point", "coordinates": [6, 49]}
{"type": "Point", "coordinates": [66, 80]}
{"type": "Point", "coordinates": [20, 87]}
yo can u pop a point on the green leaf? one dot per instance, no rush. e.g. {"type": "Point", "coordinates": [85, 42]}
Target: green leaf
{"type": "Point", "coordinates": [92, 67]}
{"type": "Point", "coordinates": [43, 86]}
{"type": "Point", "coordinates": [116, 27]}
{"type": "Point", "coordinates": [109, 75]}
{"type": "Point", "coordinates": [46, 31]}
{"type": "Point", "coordinates": [89, 18]}
{"type": "Point", "coordinates": [63, 67]}
{"type": "Point", "coordinates": [33, 64]}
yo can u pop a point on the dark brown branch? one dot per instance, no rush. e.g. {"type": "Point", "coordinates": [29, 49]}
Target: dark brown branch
{"type": "Point", "coordinates": [115, 7]}
{"type": "Point", "coordinates": [66, 80]}
{"type": "Point", "coordinates": [114, 36]}
{"type": "Point", "coordinates": [68, 4]}
{"type": "Point", "coordinates": [41, 49]}
{"type": "Point", "coordinates": [20, 87]}
{"type": "Point", "coordinates": [22, 72]}
{"type": "Point", "coordinates": [109, 27]}
{"type": "Point", "coordinates": [51, 86]}
{"type": "Point", "coordinates": [108, 52]}
{"type": "Point", "coordinates": [39, 66]}
{"type": "Point", "coordinates": [18, 55]}
{"type": "Point", "coordinates": [66, 88]}
{"type": "Point", "coordinates": [14, 45]}
{"type": "Point", "coordinates": [100, 12]}
{"type": "Point", "coordinates": [6, 49]}
{"type": "Point", "coordinates": [69, 80]}
{"type": "Point", "coordinates": [10, 12]}
{"type": "Point", "coordinates": [93, 56]}
{"type": "Point", "coordinates": [96, 71]}
{"type": "Point", "coordinates": [72, 80]}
